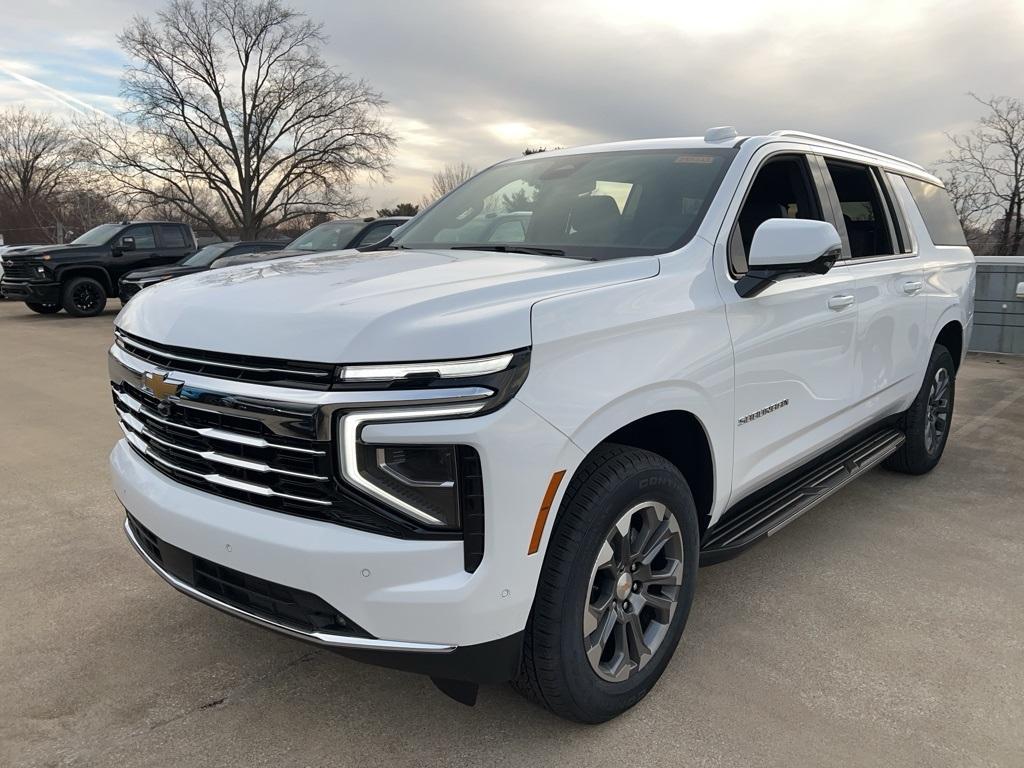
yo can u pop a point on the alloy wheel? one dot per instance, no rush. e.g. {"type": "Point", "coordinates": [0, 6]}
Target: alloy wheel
{"type": "Point", "coordinates": [937, 414]}
{"type": "Point", "coordinates": [85, 297]}
{"type": "Point", "coordinates": [634, 590]}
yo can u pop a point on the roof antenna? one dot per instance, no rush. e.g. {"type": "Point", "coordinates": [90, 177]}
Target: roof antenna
{"type": "Point", "coordinates": [721, 133]}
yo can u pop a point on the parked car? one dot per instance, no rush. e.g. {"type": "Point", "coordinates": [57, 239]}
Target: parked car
{"type": "Point", "coordinates": [487, 461]}
{"type": "Point", "coordinates": [199, 261]}
{"type": "Point", "coordinates": [80, 276]}
{"type": "Point", "coordinates": [329, 236]}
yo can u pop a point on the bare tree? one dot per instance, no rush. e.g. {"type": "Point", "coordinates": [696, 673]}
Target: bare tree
{"type": "Point", "coordinates": [447, 179]}
{"type": "Point", "coordinates": [984, 172]}
{"type": "Point", "coordinates": [234, 100]}
{"type": "Point", "coordinates": [38, 158]}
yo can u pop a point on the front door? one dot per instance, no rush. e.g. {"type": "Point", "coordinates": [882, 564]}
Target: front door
{"type": "Point", "coordinates": [794, 343]}
{"type": "Point", "coordinates": [139, 258]}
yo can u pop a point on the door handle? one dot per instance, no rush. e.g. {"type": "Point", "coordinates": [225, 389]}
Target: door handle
{"type": "Point", "coordinates": [840, 302]}
{"type": "Point", "coordinates": [911, 287]}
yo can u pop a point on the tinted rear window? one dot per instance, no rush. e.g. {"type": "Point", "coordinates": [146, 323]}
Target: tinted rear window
{"type": "Point", "coordinates": [937, 211]}
{"type": "Point", "coordinates": [172, 236]}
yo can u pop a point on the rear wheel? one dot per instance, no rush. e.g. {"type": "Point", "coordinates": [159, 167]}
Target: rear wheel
{"type": "Point", "coordinates": [84, 297]}
{"type": "Point", "coordinates": [43, 309]}
{"type": "Point", "coordinates": [927, 422]}
{"type": "Point", "coordinates": [616, 588]}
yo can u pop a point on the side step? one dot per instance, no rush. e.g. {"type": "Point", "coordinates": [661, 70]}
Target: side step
{"type": "Point", "coordinates": [746, 524]}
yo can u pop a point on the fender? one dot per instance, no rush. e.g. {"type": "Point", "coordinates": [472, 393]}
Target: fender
{"type": "Point", "coordinates": [66, 273]}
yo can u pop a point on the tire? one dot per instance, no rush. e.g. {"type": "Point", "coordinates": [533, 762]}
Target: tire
{"type": "Point", "coordinates": [613, 484]}
{"type": "Point", "coordinates": [84, 297]}
{"type": "Point", "coordinates": [43, 309]}
{"type": "Point", "coordinates": [927, 422]}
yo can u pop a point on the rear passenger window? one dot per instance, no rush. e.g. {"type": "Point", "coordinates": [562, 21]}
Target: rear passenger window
{"type": "Point", "coordinates": [782, 189]}
{"type": "Point", "coordinates": [172, 236]}
{"type": "Point", "coordinates": [863, 210]}
{"type": "Point", "coordinates": [937, 211]}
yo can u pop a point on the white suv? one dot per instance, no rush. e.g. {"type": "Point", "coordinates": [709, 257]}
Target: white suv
{"type": "Point", "coordinates": [497, 445]}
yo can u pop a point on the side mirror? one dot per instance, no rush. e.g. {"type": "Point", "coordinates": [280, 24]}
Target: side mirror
{"type": "Point", "coordinates": [789, 247]}
{"type": "Point", "coordinates": [125, 244]}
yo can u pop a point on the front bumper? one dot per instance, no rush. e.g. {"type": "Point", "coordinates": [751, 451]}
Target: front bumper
{"type": "Point", "coordinates": [413, 596]}
{"type": "Point", "coordinates": [495, 661]}
{"type": "Point", "coordinates": [42, 292]}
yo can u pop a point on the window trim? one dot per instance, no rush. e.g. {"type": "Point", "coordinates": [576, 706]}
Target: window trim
{"type": "Point", "coordinates": [814, 185]}
{"type": "Point", "coordinates": [896, 213]}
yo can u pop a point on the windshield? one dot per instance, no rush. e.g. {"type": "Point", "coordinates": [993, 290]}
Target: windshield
{"type": "Point", "coordinates": [204, 256]}
{"type": "Point", "coordinates": [590, 206]}
{"type": "Point", "coordinates": [98, 235]}
{"type": "Point", "coordinates": [327, 237]}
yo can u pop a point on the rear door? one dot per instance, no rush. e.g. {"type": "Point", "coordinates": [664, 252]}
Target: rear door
{"type": "Point", "coordinates": [884, 259]}
{"type": "Point", "coordinates": [794, 343]}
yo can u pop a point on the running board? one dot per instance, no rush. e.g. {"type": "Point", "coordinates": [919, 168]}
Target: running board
{"type": "Point", "coordinates": [746, 525]}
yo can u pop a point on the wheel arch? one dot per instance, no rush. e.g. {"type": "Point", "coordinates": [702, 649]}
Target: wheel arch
{"type": "Point", "coordinates": [98, 273]}
{"type": "Point", "coordinates": [951, 336]}
{"type": "Point", "coordinates": [680, 437]}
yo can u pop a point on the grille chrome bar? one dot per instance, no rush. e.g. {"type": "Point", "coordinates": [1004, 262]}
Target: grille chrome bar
{"type": "Point", "coordinates": [137, 442]}
{"type": "Point", "coordinates": [213, 432]}
{"type": "Point", "coordinates": [232, 461]}
{"type": "Point", "coordinates": [128, 344]}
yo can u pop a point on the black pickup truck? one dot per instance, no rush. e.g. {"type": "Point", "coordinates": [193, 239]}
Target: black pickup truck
{"type": "Point", "coordinates": [81, 275]}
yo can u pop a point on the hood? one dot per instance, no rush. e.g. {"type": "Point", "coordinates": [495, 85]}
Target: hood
{"type": "Point", "coordinates": [173, 270]}
{"type": "Point", "coordinates": [376, 306]}
{"type": "Point", "coordinates": [56, 251]}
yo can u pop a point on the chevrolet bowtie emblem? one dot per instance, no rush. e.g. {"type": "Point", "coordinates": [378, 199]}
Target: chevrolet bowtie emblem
{"type": "Point", "coordinates": [160, 385]}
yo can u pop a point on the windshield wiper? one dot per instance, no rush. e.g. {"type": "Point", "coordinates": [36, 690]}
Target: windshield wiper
{"type": "Point", "coordinates": [534, 250]}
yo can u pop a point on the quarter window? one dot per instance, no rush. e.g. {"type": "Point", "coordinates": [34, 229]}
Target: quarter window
{"type": "Point", "coordinates": [867, 225]}
{"type": "Point", "coordinates": [937, 211]}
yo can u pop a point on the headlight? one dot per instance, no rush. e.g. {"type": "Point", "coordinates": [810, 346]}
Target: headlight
{"type": "Point", "coordinates": [423, 477]}
{"type": "Point", "coordinates": [424, 482]}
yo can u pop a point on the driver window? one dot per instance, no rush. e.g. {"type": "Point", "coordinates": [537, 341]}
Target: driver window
{"type": "Point", "coordinates": [143, 234]}
{"type": "Point", "coordinates": [782, 189]}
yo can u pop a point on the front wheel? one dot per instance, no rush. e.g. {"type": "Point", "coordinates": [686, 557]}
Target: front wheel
{"type": "Point", "coordinates": [84, 297]}
{"type": "Point", "coordinates": [616, 587]}
{"type": "Point", "coordinates": [927, 422]}
{"type": "Point", "coordinates": [43, 309]}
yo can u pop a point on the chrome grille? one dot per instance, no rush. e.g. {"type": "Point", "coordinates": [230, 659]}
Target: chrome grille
{"type": "Point", "coordinates": [224, 366]}
{"type": "Point", "coordinates": [238, 458]}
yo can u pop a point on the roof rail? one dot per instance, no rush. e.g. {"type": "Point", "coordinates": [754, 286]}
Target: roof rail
{"type": "Point", "coordinates": [845, 145]}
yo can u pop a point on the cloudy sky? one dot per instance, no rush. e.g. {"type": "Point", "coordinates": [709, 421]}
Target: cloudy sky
{"type": "Point", "coordinates": [477, 80]}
